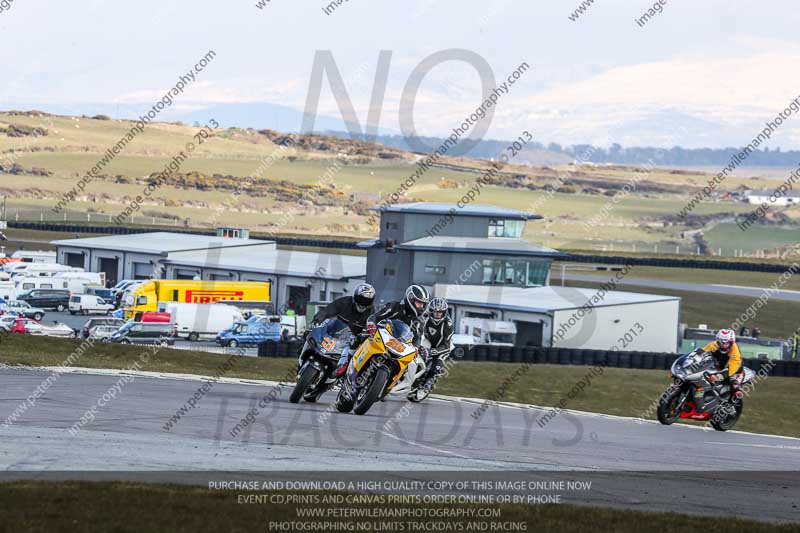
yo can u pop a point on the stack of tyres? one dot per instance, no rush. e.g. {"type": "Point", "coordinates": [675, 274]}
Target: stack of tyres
{"type": "Point", "coordinates": [493, 353]}
{"type": "Point", "coordinates": [282, 350]}
{"type": "Point", "coordinates": [505, 354]}
{"type": "Point", "coordinates": [521, 354]}
{"type": "Point", "coordinates": [481, 352]}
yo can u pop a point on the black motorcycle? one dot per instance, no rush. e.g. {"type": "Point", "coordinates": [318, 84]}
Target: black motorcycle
{"type": "Point", "coordinates": [318, 360]}
{"type": "Point", "coordinates": [696, 396]}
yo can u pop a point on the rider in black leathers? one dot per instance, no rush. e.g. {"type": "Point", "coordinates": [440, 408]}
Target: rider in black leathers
{"type": "Point", "coordinates": [355, 309]}
{"type": "Point", "coordinates": [408, 311]}
{"type": "Point", "coordinates": [438, 331]}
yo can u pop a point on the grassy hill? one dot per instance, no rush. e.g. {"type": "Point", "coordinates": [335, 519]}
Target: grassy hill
{"type": "Point", "coordinates": [324, 185]}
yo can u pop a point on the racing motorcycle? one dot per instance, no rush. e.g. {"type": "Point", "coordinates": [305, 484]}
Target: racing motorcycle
{"type": "Point", "coordinates": [318, 359]}
{"type": "Point", "coordinates": [385, 362]}
{"type": "Point", "coordinates": [419, 391]}
{"type": "Point", "coordinates": [694, 395]}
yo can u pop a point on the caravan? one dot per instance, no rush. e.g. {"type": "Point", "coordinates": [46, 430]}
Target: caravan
{"type": "Point", "coordinates": [38, 269]}
{"type": "Point", "coordinates": [75, 282]}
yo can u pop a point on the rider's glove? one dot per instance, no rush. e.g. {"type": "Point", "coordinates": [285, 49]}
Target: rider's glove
{"type": "Point", "coordinates": [372, 328]}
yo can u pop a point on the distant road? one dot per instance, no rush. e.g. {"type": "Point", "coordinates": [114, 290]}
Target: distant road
{"type": "Point", "coordinates": [730, 290]}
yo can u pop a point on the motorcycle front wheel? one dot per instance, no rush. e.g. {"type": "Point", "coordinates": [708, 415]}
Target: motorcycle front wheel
{"type": "Point", "coordinates": [670, 406]}
{"type": "Point", "coordinates": [371, 393]}
{"type": "Point", "coordinates": [307, 376]}
{"type": "Point", "coordinates": [725, 417]}
{"type": "Point", "coordinates": [343, 403]}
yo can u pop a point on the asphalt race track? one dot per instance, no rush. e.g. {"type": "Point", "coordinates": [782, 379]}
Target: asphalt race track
{"type": "Point", "coordinates": [645, 465]}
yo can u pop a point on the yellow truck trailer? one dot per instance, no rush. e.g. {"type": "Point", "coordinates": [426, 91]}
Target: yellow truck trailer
{"type": "Point", "coordinates": [147, 296]}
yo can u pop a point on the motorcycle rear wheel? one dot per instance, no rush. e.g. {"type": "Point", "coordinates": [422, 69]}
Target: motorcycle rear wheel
{"type": "Point", "coordinates": [670, 406]}
{"type": "Point", "coordinates": [307, 377]}
{"type": "Point", "coordinates": [373, 391]}
{"type": "Point", "coordinates": [726, 421]}
{"type": "Point", "coordinates": [418, 395]}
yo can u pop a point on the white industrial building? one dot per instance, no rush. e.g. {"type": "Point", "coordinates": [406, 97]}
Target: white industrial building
{"type": "Point", "coordinates": [768, 196]}
{"type": "Point", "coordinates": [297, 277]}
{"type": "Point", "coordinates": [473, 256]}
{"type": "Point", "coordinates": [551, 316]}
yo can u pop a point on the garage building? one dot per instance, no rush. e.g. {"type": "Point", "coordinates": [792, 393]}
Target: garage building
{"type": "Point", "coordinates": [566, 317]}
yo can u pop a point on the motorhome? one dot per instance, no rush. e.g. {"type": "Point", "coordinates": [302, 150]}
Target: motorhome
{"type": "Point", "coordinates": [485, 331]}
{"type": "Point", "coordinates": [38, 269]}
{"type": "Point", "coordinates": [79, 282]}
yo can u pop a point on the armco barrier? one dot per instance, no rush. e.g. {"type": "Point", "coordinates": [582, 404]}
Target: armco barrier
{"type": "Point", "coordinates": [350, 245]}
{"type": "Point", "coordinates": [559, 356]}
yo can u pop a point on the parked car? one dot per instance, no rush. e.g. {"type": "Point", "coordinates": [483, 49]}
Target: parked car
{"type": "Point", "coordinates": [116, 323]}
{"type": "Point", "coordinates": [89, 303]}
{"type": "Point", "coordinates": [151, 316]}
{"type": "Point", "coordinates": [34, 327]}
{"type": "Point", "coordinates": [57, 299]}
{"type": "Point", "coordinates": [105, 294]}
{"type": "Point", "coordinates": [102, 332]}
{"type": "Point", "coordinates": [144, 333]}
{"type": "Point", "coordinates": [22, 309]}
{"type": "Point", "coordinates": [249, 333]}
{"type": "Point", "coordinates": [7, 322]}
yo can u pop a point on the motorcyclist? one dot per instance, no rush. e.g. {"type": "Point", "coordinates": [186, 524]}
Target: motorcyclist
{"type": "Point", "coordinates": [437, 330]}
{"type": "Point", "coordinates": [726, 352]}
{"type": "Point", "coordinates": [354, 310]}
{"type": "Point", "coordinates": [408, 311]}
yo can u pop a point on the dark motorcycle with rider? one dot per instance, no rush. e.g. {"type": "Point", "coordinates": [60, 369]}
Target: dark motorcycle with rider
{"type": "Point", "coordinates": [336, 330]}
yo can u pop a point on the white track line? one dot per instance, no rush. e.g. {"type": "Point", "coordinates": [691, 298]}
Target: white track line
{"type": "Point", "coordinates": [267, 383]}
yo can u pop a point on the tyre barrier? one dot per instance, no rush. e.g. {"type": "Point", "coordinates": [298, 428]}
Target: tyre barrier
{"type": "Point", "coordinates": [539, 355]}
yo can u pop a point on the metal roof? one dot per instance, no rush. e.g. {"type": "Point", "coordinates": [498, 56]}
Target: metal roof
{"type": "Point", "coordinates": [474, 210]}
{"type": "Point", "coordinates": [273, 261]}
{"type": "Point", "coordinates": [538, 299]}
{"type": "Point", "coordinates": [159, 242]}
{"type": "Point", "coordinates": [498, 246]}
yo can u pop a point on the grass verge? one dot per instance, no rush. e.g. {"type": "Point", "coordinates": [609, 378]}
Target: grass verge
{"type": "Point", "coordinates": [82, 506]}
{"type": "Point", "coordinates": [777, 318]}
{"type": "Point", "coordinates": [544, 385]}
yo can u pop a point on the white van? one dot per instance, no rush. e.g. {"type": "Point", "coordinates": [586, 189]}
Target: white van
{"type": "Point", "coordinates": [85, 304]}
{"type": "Point", "coordinates": [194, 321]}
{"type": "Point", "coordinates": [8, 290]}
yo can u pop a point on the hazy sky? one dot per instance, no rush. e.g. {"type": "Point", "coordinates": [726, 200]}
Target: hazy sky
{"type": "Point", "coordinates": [699, 73]}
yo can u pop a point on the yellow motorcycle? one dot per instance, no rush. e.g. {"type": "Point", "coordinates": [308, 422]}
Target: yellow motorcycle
{"type": "Point", "coordinates": [377, 366]}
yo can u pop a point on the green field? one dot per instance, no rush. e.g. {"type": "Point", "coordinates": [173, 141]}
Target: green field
{"type": "Point", "coordinates": [122, 507]}
{"type": "Point", "coordinates": [74, 145]}
{"type": "Point", "coordinates": [778, 318]}
{"type": "Point", "coordinates": [689, 275]}
{"type": "Point", "coordinates": [543, 385]}
{"type": "Point", "coordinates": [757, 237]}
